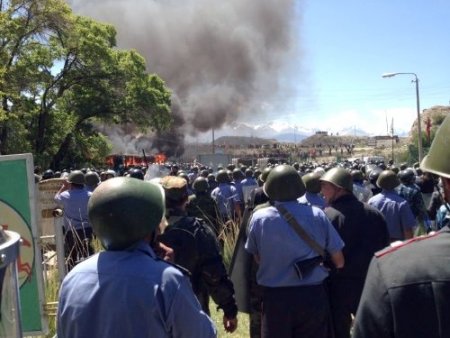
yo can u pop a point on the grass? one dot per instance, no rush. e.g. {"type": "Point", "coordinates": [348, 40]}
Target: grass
{"type": "Point", "coordinates": [228, 236]}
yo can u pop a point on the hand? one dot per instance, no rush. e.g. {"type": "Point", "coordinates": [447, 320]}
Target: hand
{"type": "Point", "coordinates": [230, 325]}
{"type": "Point", "coordinates": [166, 252]}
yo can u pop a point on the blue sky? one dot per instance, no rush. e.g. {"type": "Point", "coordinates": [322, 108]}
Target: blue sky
{"type": "Point", "coordinates": [347, 45]}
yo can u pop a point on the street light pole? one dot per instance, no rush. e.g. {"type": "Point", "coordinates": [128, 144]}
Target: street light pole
{"type": "Point", "coordinates": [419, 124]}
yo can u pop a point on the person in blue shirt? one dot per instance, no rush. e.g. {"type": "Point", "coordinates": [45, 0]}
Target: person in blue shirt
{"type": "Point", "coordinates": [312, 195]}
{"type": "Point", "coordinates": [126, 290]}
{"type": "Point", "coordinates": [294, 304]}
{"type": "Point", "coordinates": [395, 209]}
{"type": "Point", "coordinates": [226, 197]}
{"type": "Point", "coordinates": [73, 197]}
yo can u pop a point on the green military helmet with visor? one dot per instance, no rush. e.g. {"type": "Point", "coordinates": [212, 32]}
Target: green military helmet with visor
{"type": "Point", "coordinates": [437, 161]}
{"type": "Point", "coordinates": [340, 177]}
{"type": "Point", "coordinates": [284, 184]}
{"type": "Point", "coordinates": [124, 210]}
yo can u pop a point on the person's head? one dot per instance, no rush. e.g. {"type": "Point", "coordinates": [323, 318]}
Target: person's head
{"type": "Point", "coordinates": [48, 174]}
{"type": "Point", "coordinates": [357, 176]}
{"type": "Point", "coordinates": [238, 175]}
{"type": "Point", "coordinates": [76, 179]}
{"type": "Point", "coordinates": [263, 177]}
{"type": "Point", "coordinates": [388, 180]}
{"type": "Point", "coordinates": [136, 173]}
{"type": "Point", "coordinates": [222, 176]}
{"type": "Point", "coordinates": [124, 210]}
{"type": "Point", "coordinates": [335, 183]}
{"type": "Point", "coordinates": [176, 192]}
{"type": "Point", "coordinates": [437, 160]}
{"type": "Point", "coordinates": [407, 176]}
{"type": "Point", "coordinates": [200, 185]}
{"type": "Point", "coordinates": [284, 184]}
{"type": "Point", "coordinates": [312, 182]}
{"type": "Point", "coordinates": [91, 179]}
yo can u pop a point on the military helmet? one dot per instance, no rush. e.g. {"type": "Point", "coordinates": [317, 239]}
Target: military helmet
{"type": "Point", "coordinates": [357, 175]}
{"type": "Point", "coordinates": [92, 179]}
{"type": "Point", "coordinates": [200, 184]}
{"type": "Point", "coordinates": [248, 173]}
{"type": "Point", "coordinates": [407, 176]}
{"type": "Point", "coordinates": [388, 180]}
{"type": "Point", "coordinates": [374, 174]}
{"type": "Point", "coordinates": [312, 182]}
{"type": "Point", "coordinates": [284, 184]}
{"type": "Point", "coordinates": [340, 177]}
{"type": "Point", "coordinates": [265, 173]}
{"type": "Point", "coordinates": [437, 160]}
{"type": "Point", "coordinates": [237, 174]}
{"type": "Point", "coordinates": [123, 210]}
{"type": "Point", "coordinates": [222, 176]}
{"type": "Point", "coordinates": [76, 177]}
{"type": "Point", "coordinates": [48, 174]}
{"type": "Point", "coordinates": [136, 173]}
{"type": "Point", "coordinates": [183, 175]}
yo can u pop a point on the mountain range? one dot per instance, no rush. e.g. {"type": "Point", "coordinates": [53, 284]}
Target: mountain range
{"type": "Point", "coordinates": [280, 132]}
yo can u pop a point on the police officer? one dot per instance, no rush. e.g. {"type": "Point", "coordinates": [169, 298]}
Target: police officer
{"type": "Point", "coordinates": [201, 205]}
{"type": "Point", "coordinates": [312, 194]}
{"type": "Point", "coordinates": [396, 210]}
{"type": "Point", "coordinates": [196, 249]}
{"type": "Point", "coordinates": [295, 303]}
{"type": "Point", "coordinates": [126, 291]}
{"type": "Point", "coordinates": [73, 198]}
{"type": "Point", "coordinates": [364, 231]}
{"type": "Point", "coordinates": [407, 287]}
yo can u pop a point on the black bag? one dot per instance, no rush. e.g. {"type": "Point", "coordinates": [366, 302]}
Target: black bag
{"type": "Point", "coordinates": [304, 267]}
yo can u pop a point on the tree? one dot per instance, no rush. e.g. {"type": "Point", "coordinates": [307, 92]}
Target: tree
{"type": "Point", "coordinates": [63, 75]}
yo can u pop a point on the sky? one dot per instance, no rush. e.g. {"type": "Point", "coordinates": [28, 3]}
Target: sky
{"type": "Point", "coordinates": [346, 47]}
{"type": "Point", "coordinates": [311, 64]}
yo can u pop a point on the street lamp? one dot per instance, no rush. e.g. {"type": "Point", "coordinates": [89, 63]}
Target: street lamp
{"type": "Point", "coordinates": [419, 127]}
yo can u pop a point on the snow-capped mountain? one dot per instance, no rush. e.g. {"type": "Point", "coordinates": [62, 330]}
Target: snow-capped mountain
{"type": "Point", "coordinates": [282, 132]}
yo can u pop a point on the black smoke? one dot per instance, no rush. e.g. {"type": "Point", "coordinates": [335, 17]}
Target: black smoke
{"type": "Point", "coordinates": [222, 59]}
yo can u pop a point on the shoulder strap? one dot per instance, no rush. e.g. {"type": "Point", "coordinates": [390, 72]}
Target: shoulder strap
{"type": "Point", "coordinates": [299, 230]}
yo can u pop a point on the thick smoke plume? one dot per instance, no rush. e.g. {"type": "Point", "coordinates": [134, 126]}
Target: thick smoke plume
{"type": "Point", "coordinates": [222, 59]}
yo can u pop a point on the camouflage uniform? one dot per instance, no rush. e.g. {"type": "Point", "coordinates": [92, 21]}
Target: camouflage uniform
{"type": "Point", "coordinates": [411, 193]}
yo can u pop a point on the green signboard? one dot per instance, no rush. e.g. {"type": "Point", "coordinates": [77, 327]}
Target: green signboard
{"type": "Point", "coordinates": [18, 213]}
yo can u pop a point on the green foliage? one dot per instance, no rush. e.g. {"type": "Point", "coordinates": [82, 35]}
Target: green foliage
{"type": "Point", "coordinates": [59, 75]}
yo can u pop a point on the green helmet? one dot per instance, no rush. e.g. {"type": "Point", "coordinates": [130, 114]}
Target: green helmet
{"type": "Point", "coordinates": [340, 177]}
{"type": "Point", "coordinates": [223, 177]}
{"type": "Point", "coordinates": [92, 179]}
{"type": "Point", "coordinates": [312, 182]}
{"type": "Point", "coordinates": [76, 177]}
{"type": "Point", "coordinates": [124, 210]}
{"type": "Point", "coordinates": [200, 184]}
{"type": "Point", "coordinates": [437, 160]}
{"type": "Point", "coordinates": [284, 184]}
{"type": "Point", "coordinates": [265, 173]}
{"type": "Point", "coordinates": [357, 175]}
{"type": "Point", "coordinates": [388, 180]}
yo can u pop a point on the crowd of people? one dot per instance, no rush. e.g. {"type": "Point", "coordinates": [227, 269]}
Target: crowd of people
{"type": "Point", "coordinates": [334, 248]}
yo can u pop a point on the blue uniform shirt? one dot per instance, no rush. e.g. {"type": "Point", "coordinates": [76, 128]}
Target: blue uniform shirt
{"type": "Point", "coordinates": [279, 246]}
{"type": "Point", "coordinates": [129, 294]}
{"type": "Point", "coordinates": [396, 211]}
{"type": "Point", "coordinates": [313, 199]}
{"type": "Point", "coordinates": [226, 197]}
{"type": "Point", "coordinates": [74, 202]}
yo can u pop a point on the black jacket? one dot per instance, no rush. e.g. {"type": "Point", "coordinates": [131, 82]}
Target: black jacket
{"type": "Point", "coordinates": [363, 230]}
{"type": "Point", "coordinates": [407, 291]}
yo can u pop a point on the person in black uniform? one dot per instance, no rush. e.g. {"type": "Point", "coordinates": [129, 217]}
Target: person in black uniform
{"type": "Point", "coordinates": [407, 289]}
{"type": "Point", "coordinates": [196, 249]}
{"type": "Point", "coordinates": [364, 231]}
